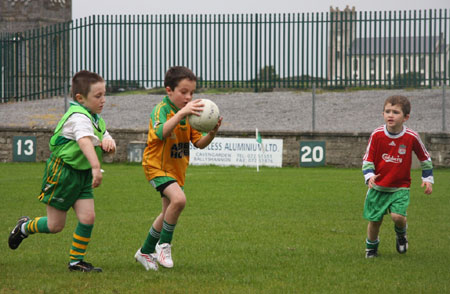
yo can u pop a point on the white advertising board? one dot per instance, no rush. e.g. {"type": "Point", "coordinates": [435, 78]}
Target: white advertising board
{"type": "Point", "coordinates": [238, 152]}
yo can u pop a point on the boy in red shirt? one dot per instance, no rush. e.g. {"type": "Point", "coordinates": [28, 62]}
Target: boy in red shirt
{"type": "Point", "coordinates": [387, 169]}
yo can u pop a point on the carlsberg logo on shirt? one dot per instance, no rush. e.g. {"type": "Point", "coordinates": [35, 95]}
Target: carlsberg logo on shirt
{"type": "Point", "coordinates": [389, 158]}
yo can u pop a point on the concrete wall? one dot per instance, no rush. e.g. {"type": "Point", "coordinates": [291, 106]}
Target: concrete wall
{"type": "Point", "coordinates": [342, 149]}
{"type": "Point", "coordinates": [21, 15]}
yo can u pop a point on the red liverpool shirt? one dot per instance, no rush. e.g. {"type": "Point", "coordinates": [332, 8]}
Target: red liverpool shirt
{"type": "Point", "coordinates": [390, 156]}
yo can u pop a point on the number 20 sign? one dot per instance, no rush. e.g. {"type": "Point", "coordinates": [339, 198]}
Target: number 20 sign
{"type": "Point", "coordinates": [312, 153]}
{"type": "Point", "coordinates": [24, 148]}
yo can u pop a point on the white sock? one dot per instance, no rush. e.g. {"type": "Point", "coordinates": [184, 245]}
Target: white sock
{"type": "Point", "coordinates": [22, 229]}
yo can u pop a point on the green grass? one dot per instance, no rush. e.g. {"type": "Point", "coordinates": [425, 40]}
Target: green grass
{"type": "Point", "coordinates": [289, 230]}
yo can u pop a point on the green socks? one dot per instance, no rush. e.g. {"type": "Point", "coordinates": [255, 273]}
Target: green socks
{"type": "Point", "coordinates": [165, 236]}
{"type": "Point", "coordinates": [372, 244]}
{"type": "Point", "coordinates": [167, 233]}
{"type": "Point", "coordinates": [80, 241]}
{"type": "Point", "coordinates": [151, 241]}
{"type": "Point", "coordinates": [400, 231]}
{"type": "Point", "coordinates": [36, 225]}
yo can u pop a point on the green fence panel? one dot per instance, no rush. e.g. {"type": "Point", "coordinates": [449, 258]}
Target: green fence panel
{"type": "Point", "coordinates": [338, 49]}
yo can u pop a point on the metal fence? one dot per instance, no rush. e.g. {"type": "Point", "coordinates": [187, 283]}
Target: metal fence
{"type": "Point", "coordinates": [337, 49]}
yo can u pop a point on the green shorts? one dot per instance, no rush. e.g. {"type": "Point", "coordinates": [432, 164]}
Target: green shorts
{"type": "Point", "coordinates": [161, 183]}
{"type": "Point", "coordinates": [62, 185]}
{"type": "Point", "coordinates": [378, 203]}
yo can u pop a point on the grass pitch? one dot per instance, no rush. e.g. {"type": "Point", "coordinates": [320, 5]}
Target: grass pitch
{"type": "Point", "coordinates": [289, 230]}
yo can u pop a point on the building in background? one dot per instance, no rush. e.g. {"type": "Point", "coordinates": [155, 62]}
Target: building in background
{"type": "Point", "coordinates": [342, 31]}
{"type": "Point", "coordinates": [34, 43]}
{"type": "Point", "coordinates": [386, 48]}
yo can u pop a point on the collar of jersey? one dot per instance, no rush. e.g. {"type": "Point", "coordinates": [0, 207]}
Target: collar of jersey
{"type": "Point", "coordinates": [168, 101]}
{"type": "Point", "coordinates": [175, 108]}
{"type": "Point", "coordinates": [392, 136]}
{"type": "Point", "coordinates": [95, 116]}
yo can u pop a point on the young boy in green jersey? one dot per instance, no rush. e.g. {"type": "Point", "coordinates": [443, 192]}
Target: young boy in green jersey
{"type": "Point", "coordinates": [73, 170]}
{"type": "Point", "coordinates": [166, 158]}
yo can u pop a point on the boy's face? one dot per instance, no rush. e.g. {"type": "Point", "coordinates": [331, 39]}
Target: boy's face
{"type": "Point", "coordinates": [394, 117]}
{"type": "Point", "coordinates": [95, 99]}
{"type": "Point", "coordinates": [183, 93]}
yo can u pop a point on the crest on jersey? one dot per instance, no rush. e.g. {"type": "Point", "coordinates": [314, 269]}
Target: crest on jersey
{"type": "Point", "coordinates": [156, 124]}
{"type": "Point", "coordinates": [402, 149]}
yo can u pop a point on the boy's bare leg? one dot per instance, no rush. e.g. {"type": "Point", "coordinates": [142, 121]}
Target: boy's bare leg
{"type": "Point", "coordinates": [399, 220]}
{"type": "Point", "coordinates": [85, 211]}
{"type": "Point", "coordinates": [173, 204]}
{"type": "Point", "coordinates": [373, 229]}
{"type": "Point", "coordinates": [56, 219]}
{"type": "Point", "coordinates": [372, 241]}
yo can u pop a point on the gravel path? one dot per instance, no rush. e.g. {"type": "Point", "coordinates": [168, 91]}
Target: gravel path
{"type": "Point", "coordinates": [353, 111]}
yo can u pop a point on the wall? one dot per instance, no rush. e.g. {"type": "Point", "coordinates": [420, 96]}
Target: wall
{"type": "Point", "coordinates": [342, 149]}
{"type": "Point", "coordinates": [21, 15]}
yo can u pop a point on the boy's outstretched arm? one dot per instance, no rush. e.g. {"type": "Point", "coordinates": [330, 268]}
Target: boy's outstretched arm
{"type": "Point", "coordinates": [87, 147]}
{"type": "Point", "coordinates": [205, 140]}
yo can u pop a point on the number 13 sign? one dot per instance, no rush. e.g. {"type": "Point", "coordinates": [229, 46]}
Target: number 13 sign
{"type": "Point", "coordinates": [24, 148]}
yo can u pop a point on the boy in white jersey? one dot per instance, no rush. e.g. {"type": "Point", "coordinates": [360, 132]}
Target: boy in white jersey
{"type": "Point", "coordinates": [387, 169]}
{"type": "Point", "coordinates": [73, 170]}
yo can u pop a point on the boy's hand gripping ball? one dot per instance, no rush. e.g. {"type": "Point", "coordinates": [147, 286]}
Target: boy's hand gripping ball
{"type": "Point", "coordinates": [208, 117]}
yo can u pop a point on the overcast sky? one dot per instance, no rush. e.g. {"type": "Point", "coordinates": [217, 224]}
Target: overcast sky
{"type": "Point", "coordinates": [84, 8]}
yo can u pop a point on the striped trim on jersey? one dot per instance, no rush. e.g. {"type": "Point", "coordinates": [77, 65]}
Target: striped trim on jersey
{"type": "Point", "coordinates": [414, 134]}
{"type": "Point", "coordinates": [377, 130]}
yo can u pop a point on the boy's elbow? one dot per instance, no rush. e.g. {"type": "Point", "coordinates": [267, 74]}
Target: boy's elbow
{"type": "Point", "coordinates": [199, 146]}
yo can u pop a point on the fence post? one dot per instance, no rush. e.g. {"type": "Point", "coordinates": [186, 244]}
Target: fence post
{"type": "Point", "coordinates": [256, 53]}
{"type": "Point", "coordinates": [66, 92]}
{"type": "Point", "coordinates": [444, 127]}
{"type": "Point", "coordinates": [313, 107]}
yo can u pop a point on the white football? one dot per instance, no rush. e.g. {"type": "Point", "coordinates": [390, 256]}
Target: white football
{"type": "Point", "coordinates": [208, 117]}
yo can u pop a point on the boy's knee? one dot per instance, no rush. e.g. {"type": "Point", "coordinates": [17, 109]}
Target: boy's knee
{"type": "Point", "coordinates": [179, 203]}
{"type": "Point", "coordinates": [88, 218]}
{"type": "Point", "coordinates": [55, 228]}
{"type": "Point", "coordinates": [398, 218]}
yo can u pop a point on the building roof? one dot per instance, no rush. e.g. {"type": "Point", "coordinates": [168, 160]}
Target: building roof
{"type": "Point", "coordinates": [398, 45]}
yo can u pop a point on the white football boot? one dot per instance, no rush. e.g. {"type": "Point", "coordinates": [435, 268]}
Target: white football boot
{"type": "Point", "coordinates": [147, 260]}
{"type": "Point", "coordinates": [164, 255]}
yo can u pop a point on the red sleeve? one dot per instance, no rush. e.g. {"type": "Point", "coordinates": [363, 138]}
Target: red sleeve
{"type": "Point", "coordinates": [420, 150]}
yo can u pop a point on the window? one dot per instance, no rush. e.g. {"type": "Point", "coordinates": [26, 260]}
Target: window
{"type": "Point", "coordinates": [372, 64]}
{"type": "Point", "coordinates": [422, 63]}
{"type": "Point", "coordinates": [355, 64]}
{"type": "Point", "coordinates": [405, 64]}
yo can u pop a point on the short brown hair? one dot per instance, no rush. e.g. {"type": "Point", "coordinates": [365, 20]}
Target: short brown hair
{"type": "Point", "coordinates": [177, 73]}
{"type": "Point", "coordinates": [400, 100]}
{"type": "Point", "coordinates": [82, 81]}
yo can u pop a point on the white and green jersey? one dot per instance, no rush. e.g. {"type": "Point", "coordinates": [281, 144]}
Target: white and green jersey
{"type": "Point", "coordinates": [76, 123]}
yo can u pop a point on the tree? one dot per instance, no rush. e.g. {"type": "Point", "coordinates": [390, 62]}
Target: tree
{"type": "Point", "coordinates": [268, 74]}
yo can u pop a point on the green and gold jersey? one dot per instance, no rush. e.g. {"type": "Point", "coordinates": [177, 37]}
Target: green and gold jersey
{"type": "Point", "coordinates": [168, 157]}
